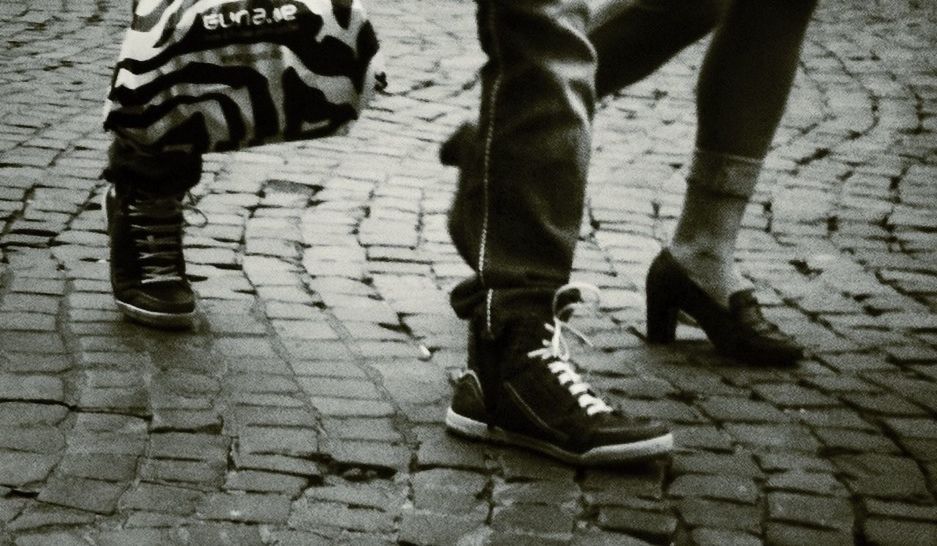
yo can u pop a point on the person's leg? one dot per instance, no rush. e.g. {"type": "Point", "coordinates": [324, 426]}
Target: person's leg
{"type": "Point", "coordinates": [518, 207]}
{"type": "Point", "coordinates": [515, 220]}
{"type": "Point", "coordinates": [633, 38]}
{"type": "Point", "coordinates": [144, 218]}
{"type": "Point", "coordinates": [742, 91]}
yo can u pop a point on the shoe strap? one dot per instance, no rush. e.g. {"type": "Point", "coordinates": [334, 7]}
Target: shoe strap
{"type": "Point", "coordinates": [745, 307]}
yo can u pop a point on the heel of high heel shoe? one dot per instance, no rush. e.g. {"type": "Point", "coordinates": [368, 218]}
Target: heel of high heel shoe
{"type": "Point", "coordinates": [662, 305]}
{"type": "Point", "coordinates": [661, 320]}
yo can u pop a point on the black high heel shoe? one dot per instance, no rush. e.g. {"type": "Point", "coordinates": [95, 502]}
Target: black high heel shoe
{"type": "Point", "coordinates": [740, 332]}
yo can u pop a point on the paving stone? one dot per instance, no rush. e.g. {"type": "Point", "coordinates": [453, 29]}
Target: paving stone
{"type": "Point", "coordinates": [58, 538]}
{"type": "Point", "coordinates": [439, 448]}
{"type": "Point", "coordinates": [897, 510]}
{"type": "Point", "coordinates": [192, 447]}
{"type": "Point", "coordinates": [773, 436]}
{"type": "Point", "coordinates": [103, 467]}
{"type": "Point", "coordinates": [883, 476]}
{"type": "Point", "coordinates": [363, 428]}
{"type": "Point", "coordinates": [653, 526]}
{"type": "Point", "coordinates": [185, 421]}
{"type": "Point", "coordinates": [887, 404]}
{"type": "Point", "coordinates": [914, 428]}
{"type": "Point", "coordinates": [834, 418]}
{"type": "Point", "coordinates": [27, 322]}
{"type": "Point", "coordinates": [339, 387]}
{"type": "Point", "coordinates": [38, 388]}
{"type": "Point", "coordinates": [448, 491]}
{"type": "Point", "coordinates": [298, 442]}
{"type": "Point", "coordinates": [516, 464]}
{"type": "Point", "coordinates": [10, 508]}
{"type": "Point", "coordinates": [533, 518]}
{"type": "Point", "coordinates": [245, 347]}
{"type": "Point", "coordinates": [219, 534]}
{"type": "Point", "coordinates": [705, 437]}
{"type": "Point", "coordinates": [278, 463]}
{"type": "Point", "coordinates": [720, 515]}
{"type": "Point", "coordinates": [722, 537]}
{"type": "Point", "coordinates": [328, 368]}
{"type": "Point", "coordinates": [19, 469]}
{"type": "Point", "coordinates": [33, 439]}
{"type": "Point", "coordinates": [810, 510]}
{"type": "Point", "coordinates": [346, 407]}
{"type": "Point", "coordinates": [427, 528]}
{"type": "Point", "coordinates": [921, 450]}
{"type": "Point", "coordinates": [247, 507]}
{"type": "Point", "coordinates": [89, 495]}
{"type": "Point", "coordinates": [19, 414]}
{"type": "Point", "coordinates": [893, 532]}
{"type": "Point", "coordinates": [800, 481]}
{"type": "Point", "coordinates": [731, 488]}
{"type": "Point", "coordinates": [40, 515]}
{"type": "Point", "coordinates": [141, 537]}
{"type": "Point", "coordinates": [381, 495]}
{"type": "Point", "coordinates": [597, 537]}
{"type": "Point", "coordinates": [198, 474]}
{"type": "Point", "coordinates": [314, 516]}
{"type": "Point", "coordinates": [302, 538]}
{"type": "Point", "coordinates": [737, 464]}
{"type": "Point", "coordinates": [788, 395]}
{"type": "Point", "coordinates": [791, 535]}
{"type": "Point", "coordinates": [265, 482]}
{"type": "Point", "coordinates": [242, 417]}
{"type": "Point", "coordinates": [610, 488]}
{"type": "Point", "coordinates": [33, 303]}
{"type": "Point", "coordinates": [153, 497]}
{"type": "Point", "coordinates": [743, 410]}
{"type": "Point", "coordinates": [368, 454]}
{"type": "Point", "coordinates": [537, 492]}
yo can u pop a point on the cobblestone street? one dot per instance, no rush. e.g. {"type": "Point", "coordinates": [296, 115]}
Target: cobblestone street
{"type": "Point", "coordinates": [306, 406]}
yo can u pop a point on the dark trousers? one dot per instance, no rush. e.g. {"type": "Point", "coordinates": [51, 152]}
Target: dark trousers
{"type": "Point", "coordinates": [516, 215]}
{"type": "Point", "coordinates": [518, 206]}
{"type": "Point", "coordinates": [167, 173]}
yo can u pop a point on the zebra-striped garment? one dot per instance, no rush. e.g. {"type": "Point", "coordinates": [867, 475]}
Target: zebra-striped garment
{"type": "Point", "coordinates": [214, 75]}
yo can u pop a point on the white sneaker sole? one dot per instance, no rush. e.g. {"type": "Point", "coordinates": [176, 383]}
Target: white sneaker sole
{"type": "Point", "coordinates": [153, 318]}
{"type": "Point", "coordinates": [605, 455]}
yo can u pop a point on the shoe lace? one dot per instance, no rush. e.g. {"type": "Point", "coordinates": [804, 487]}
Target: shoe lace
{"type": "Point", "coordinates": [556, 348]}
{"type": "Point", "coordinates": [159, 239]}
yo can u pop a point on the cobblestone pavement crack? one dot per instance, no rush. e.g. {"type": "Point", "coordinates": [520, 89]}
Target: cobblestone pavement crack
{"type": "Point", "coordinates": [306, 405]}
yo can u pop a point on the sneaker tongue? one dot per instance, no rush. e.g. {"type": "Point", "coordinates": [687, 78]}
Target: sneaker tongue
{"type": "Point", "coordinates": [565, 301]}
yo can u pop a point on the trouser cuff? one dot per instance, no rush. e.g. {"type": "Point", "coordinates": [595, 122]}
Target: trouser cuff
{"type": "Point", "coordinates": [497, 306]}
{"type": "Point", "coordinates": [167, 173]}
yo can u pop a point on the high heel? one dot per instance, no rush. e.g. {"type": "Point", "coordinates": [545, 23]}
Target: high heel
{"type": "Point", "coordinates": [740, 332]}
{"type": "Point", "coordinates": [661, 315]}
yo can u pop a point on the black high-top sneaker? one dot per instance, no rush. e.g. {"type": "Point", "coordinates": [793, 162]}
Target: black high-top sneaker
{"type": "Point", "coordinates": [521, 389]}
{"type": "Point", "coordinates": [147, 265]}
